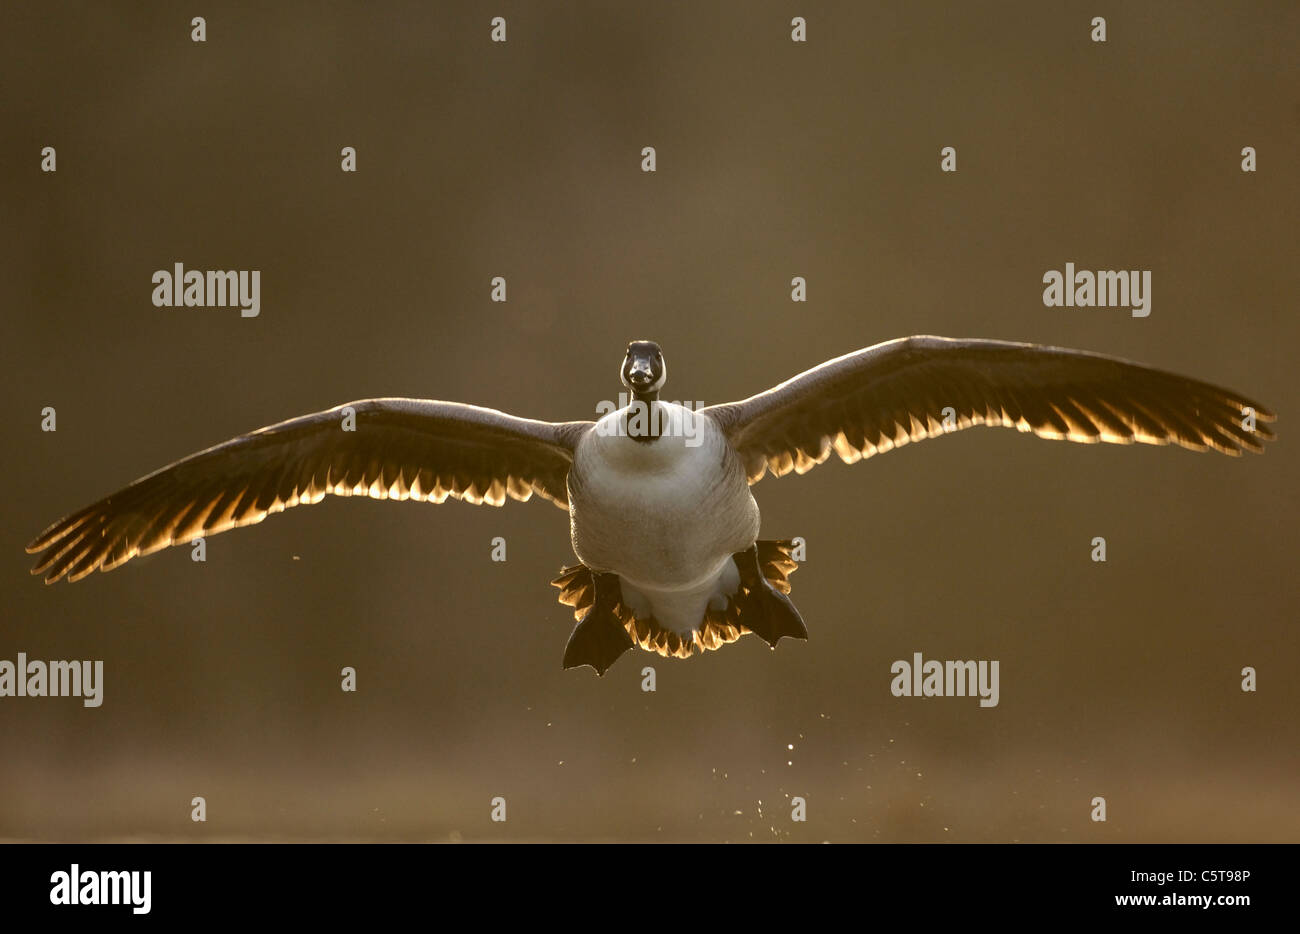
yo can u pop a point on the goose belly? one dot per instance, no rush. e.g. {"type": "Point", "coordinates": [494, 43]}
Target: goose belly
{"type": "Point", "coordinates": [666, 517]}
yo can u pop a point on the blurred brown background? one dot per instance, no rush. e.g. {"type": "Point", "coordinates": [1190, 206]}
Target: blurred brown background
{"type": "Point", "coordinates": [775, 159]}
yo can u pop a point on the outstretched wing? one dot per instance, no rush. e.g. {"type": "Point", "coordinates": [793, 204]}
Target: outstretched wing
{"type": "Point", "coordinates": [386, 449]}
{"type": "Point", "coordinates": [880, 398]}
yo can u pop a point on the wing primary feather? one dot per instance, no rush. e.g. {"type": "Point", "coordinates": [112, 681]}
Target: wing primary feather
{"type": "Point", "coordinates": [883, 397]}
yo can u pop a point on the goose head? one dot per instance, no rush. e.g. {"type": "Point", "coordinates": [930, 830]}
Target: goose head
{"type": "Point", "coordinates": [644, 371]}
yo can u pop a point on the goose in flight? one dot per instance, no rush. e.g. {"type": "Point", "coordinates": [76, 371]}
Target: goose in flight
{"type": "Point", "coordinates": [661, 514]}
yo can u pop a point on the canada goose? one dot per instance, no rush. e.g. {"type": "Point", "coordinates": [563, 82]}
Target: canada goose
{"type": "Point", "coordinates": [661, 514]}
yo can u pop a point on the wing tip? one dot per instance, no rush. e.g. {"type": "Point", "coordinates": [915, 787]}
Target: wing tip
{"type": "Point", "coordinates": [50, 536]}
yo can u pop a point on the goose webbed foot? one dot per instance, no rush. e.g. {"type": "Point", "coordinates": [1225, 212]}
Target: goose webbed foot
{"type": "Point", "coordinates": [764, 610]}
{"type": "Point", "coordinates": [600, 637]}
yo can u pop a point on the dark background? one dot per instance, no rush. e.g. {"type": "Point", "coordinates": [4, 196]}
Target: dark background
{"type": "Point", "coordinates": [775, 159]}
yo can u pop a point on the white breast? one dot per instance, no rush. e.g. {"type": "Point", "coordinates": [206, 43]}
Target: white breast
{"type": "Point", "coordinates": [665, 516]}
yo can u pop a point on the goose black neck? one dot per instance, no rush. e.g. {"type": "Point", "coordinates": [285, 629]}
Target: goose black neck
{"type": "Point", "coordinates": [651, 433]}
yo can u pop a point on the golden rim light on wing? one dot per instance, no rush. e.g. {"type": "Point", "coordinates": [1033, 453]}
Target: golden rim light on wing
{"type": "Point", "coordinates": [878, 399]}
{"type": "Point", "coordinates": [397, 449]}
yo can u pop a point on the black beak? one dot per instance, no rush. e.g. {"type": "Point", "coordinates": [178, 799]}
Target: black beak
{"type": "Point", "coordinates": [640, 373]}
